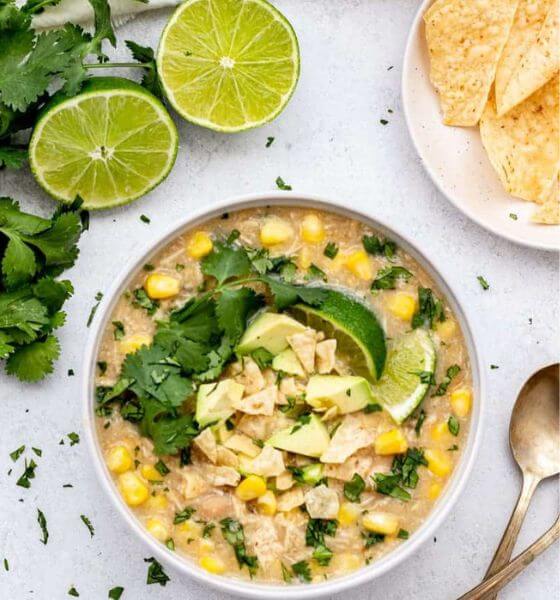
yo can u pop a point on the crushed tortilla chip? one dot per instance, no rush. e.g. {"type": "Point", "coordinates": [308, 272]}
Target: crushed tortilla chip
{"type": "Point", "coordinates": [549, 212]}
{"type": "Point", "coordinates": [465, 40]}
{"type": "Point", "coordinates": [536, 66]}
{"type": "Point", "coordinates": [523, 145]}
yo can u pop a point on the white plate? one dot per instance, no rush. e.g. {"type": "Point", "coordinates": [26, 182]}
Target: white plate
{"type": "Point", "coordinates": [455, 158]}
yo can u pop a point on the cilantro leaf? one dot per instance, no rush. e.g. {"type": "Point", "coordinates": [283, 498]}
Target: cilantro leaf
{"type": "Point", "coordinates": [386, 278]}
{"type": "Point", "coordinates": [286, 294]}
{"type": "Point", "coordinates": [233, 533]}
{"type": "Point", "coordinates": [12, 157]}
{"type": "Point", "coordinates": [302, 571]}
{"type": "Point", "coordinates": [225, 262]}
{"type": "Point", "coordinates": [145, 55]}
{"type": "Point", "coordinates": [233, 308]}
{"type": "Point", "coordinates": [156, 574]}
{"type": "Point", "coordinates": [354, 488]}
{"type": "Point", "coordinates": [35, 360]}
{"type": "Point", "coordinates": [430, 309]}
{"type": "Point", "coordinates": [375, 245]}
{"type": "Point", "coordinates": [450, 374]}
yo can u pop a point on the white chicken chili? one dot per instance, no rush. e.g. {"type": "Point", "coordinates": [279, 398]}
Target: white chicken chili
{"type": "Point", "coordinates": [282, 395]}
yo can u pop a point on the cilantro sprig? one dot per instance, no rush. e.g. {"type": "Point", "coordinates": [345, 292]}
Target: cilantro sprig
{"type": "Point", "coordinates": [33, 252]}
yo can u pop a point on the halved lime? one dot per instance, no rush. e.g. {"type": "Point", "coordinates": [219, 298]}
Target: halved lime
{"type": "Point", "coordinates": [228, 64]}
{"type": "Point", "coordinates": [110, 144]}
{"type": "Point", "coordinates": [359, 335]}
{"type": "Point", "coordinates": [411, 362]}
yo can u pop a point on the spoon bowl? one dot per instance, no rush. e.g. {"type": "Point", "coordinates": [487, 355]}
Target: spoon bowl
{"type": "Point", "coordinates": [534, 425]}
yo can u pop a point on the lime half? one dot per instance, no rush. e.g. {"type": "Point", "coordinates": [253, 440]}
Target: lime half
{"type": "Point", "coordinates": [228, 64]}
{"type": "Point", "coordinates": [411, 362]}
{"type": "Point", "coordinates": [110, 144]}
{"type": "Point", "coordinates": [359, 335]}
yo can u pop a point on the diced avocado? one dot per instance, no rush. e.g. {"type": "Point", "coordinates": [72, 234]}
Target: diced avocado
{"type": "Point", "coordinates": [214, 402]}
{"type": "Point", "coordinates": [349, 394]}
{"type": "Point", "coordinates": [309, 474]}
{"type": "Point", "coordinates": [269, 331]}
{"type": "Point", "coordinates": [288, 362]}
{"type": "Point", "coordinates": [308, 437]}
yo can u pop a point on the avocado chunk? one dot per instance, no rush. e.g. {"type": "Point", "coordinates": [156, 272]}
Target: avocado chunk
{"type": "Point", "coordinates": [214, 402]}
{"type": "Point", "coordinates": [309, 438]}
{"type": "Point", "coordinates": [269, 331]}
{"type": "Point", "coordinates": [288, 362]}
{"type": "Point", "coordinates": [347, 393]}
{"type": "Point", "coordinates": [309, 474]}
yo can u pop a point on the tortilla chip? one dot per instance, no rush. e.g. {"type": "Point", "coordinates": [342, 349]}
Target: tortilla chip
{"type": "Point", "coordinates": [549, 212]}
{"type": "Point", "coordinates": [465, 40]}
{"type": "Point", "coordinates": [538, 65]}
{"type": "Point", "coordinates": [523, 145]}
{"type": "Point", "coordinates": [528, 21]}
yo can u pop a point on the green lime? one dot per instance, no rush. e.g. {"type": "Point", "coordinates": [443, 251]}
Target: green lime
{"type": "Point", "coordinates": [359, 335]}
{"type": "Point", "coordinates": [411, 362]}
{"type": "Point", "coordinates": [109, 145]}
{"type": "Point", "coordinates": [228, 64]}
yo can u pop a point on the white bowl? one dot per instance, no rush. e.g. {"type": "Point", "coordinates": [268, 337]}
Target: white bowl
{"type": "Point", "coordinates": [455, 158]}
{"type": "Point", "coordinates": [267, 591]}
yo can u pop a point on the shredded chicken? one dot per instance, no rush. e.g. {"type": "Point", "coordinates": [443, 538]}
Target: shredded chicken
{"type": "Point", "coordinates": [322, 502]}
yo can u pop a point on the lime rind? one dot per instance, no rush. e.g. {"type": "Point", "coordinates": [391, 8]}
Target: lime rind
{"type": "Point", "coordinates": [400, 389]}
{"type": "Point", "coordinates": [61, 144]}
{"type": "Point", "coordinates": [217, 69]}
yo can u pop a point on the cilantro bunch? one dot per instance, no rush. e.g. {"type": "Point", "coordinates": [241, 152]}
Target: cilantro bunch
{"type": "Point", "coordinates": [195, 343]}
{"type": "Point", "coordinates": [33, 66]}
{"type": "Point", "coordinates": [33, 252]}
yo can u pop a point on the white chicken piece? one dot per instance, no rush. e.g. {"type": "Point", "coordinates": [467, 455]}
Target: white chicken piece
{"type": "Point", "coordinates": [263, 539]}
{"type": "Point", "coordinates": [206, 443]}
{"type": "Point", "coordinates": [325, 356]}
{"type": "Point", "coordinates": [322, 502]}
{"type": "Point", "coordinates": [269, 463]}
{"type": "Point", "coordinates": [284, 481]}
{"type": "Point", "coordinates": [348, 438]}
{"type": "Point", "coordinates": [360, 463]}
{"type": "Point", "coordinates": [193, 484]}
{"type": "Point", "coordinates": [261, 403]}
{"type": "Point", "coordinates": [304, 344]}
{"type": "Point", "coordinates": [251, 376]}
{"type": "Point", "coordinates": [222, 476]}
{"type": "Point", "coordinates": [290, 499]}
{"type": "Point", "coordinates": [226, 458]}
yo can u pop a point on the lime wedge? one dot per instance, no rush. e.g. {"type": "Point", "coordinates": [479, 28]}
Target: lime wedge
{"type": "Point", "coordinates": [111, 144]}
{"type": "Point", "coordinates": [228, 64]}
{"type": "Point", "coordinates": [359, 335]}
{"type": "Point", "coordinates": [411, 361]}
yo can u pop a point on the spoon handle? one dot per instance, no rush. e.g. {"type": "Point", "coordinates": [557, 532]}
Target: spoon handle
{"type": "Point", "coordinates": [507, 543]}
{"type": "Point", "coordinates": [490, 586]}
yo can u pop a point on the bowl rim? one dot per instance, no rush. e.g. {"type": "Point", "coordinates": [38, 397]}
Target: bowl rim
{"type": "Point", "coordinates": [407, 99]}
{"type": "Point", "coordinates": [259, 590]}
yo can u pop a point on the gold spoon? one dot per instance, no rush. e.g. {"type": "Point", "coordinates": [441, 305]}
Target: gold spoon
{"type": "Point", "coordinates": [505, 575]}
{"type": "Point", "coordinates": [534, 439]}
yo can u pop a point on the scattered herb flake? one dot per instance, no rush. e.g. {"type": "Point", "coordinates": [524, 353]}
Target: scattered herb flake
{"type": "Point", "coordinates": [161, 468]}
{"type": "Point", "coordinates": [302, 571]}
{"type": "Point", "coordinates": [184, 515]}
{"type": "Point", "coordinates": [453, 448]}
{"type": "Point", "coordinates": [6, 564]}
{"type": "Point", "coordinates": [98, 298]}
{"type": "Point", "coordinates": [73, 437]}
{"type": "Point", "coordinates": [314, 272]}
{"type": "Point", "coordinates": [282, 185]}
{"type": "Point", "coordinates": [116, 593]}
{"type": "Point", "coordinates": [41, 519]}
{"type": "Point", "coordinates": [102, 366]}
{"type": "Point", "coordinates": [232, 530]}
{"type": "Point", "coordinates": [331, 250]}
{"type": "Point", "coordinates": [145, 219]}
{"type": "Point", "coordinates": [88, 524]}
{"type": "Point", "coordinates": [383, 121]}
{"type": "Point", "coordinates": [420, 421]}
{"type": "Point", "coordinates": [403, 534]}
{"type": "Point", "coordinates": [17, 453]}
{"type": "Point", "coordinates": [28, 473]}
{"type": "Point", "coordinates": [375, 245]}
{"type": "Point", "coordinates": [483, 283]}
{"type": "Point", "coordinates": [73, 592]}
{"type": "Point", "coordinates": [118, 330]}
{"type": "Point", "coordinates": [513, 216]}
{"type": "Point", "coordinates": [37, 451]}
{"type": "Point", "coordinates": [286, 575]}
{"type": "Point", "coordinates": [387, 277]}
{"type": "Point", "coordinates": [354, 488]}
{"type": "Point", "coordinates": [156, 574]}
{"type": "Point", "coordinates": [450, 374]}
{"type": "Point", "coordinates": [430, 309]}
{"type": "Point", "coordinates": [208, 529]}
{"type": "Point", "coordinates": [494, 367]}
{"type": "Point", "coordinates": [170, 544]}
{"type": "Point", "coordinates": [453, 425]}
{"type": "Point", "coordinates": [269, 141]}
{"type": "Point", "coordinates": [372, 407]}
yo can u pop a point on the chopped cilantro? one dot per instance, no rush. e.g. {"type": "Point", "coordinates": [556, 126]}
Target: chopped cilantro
{"type": "Point", "coordinates": [161, 467]}
{"type": "Point", "coordinates": [70, 372]}
{"type": "Point", "coordinates": [314, 272]}
{"type": "Point", "coordinates": [331, 250]}
{"type": "Point", "coordinates": [156, 574]}
{"type": "Point", "coordinates": [513, 216]}
{"type": "Point", "coordinates": [269, 141]}
{"type": "Point", "coordinates": [375, 245]}
{"type": "Point", "coordinates": [420, 421]}
{"type": "Point", "coordinates": [453, 448]}
{"type": "Point", "coordinates": [28, 473]}
{"type": "Point", "coordinates": [116, 593]}
{"type": "Point", "coordinates": [17, 453]}
{"type": "Point", "coordinates": [354, 488]}
{"type": "Point", "coordinates": [145, 219]}
{"type": "Point", "coordinates": [262, 357]}
{"type": "Point", "coordinates": [386, 278]}
{"type": "Point", "coordinates": [102, 366]}
{"type": "Point", "coordinates": [453, 425]}
{"type": "Point", "coordinates": [403, 474]}
{"type": "Point", "coordinates": [98, 298]}
{"type": "Point", "coordinates": [170, 544]}
{"type": "Point", "coordinates": [179, 267]}
{"type": "Point", "coordinates": [371, 538]}
{"type": "Point", "coordinates": [372, 407]}
{"type": "Point", "coordinates": [383, 121]}
{"type": "Point", "coordinates": [483, 283]}
{"type": "Point", "coordinates": [184, 515]}
{"type": "Point", "coordinates": [302, 571]}
{"type": "Point", "coordinates": [494, 367]}
{"type": "Point", "coordinates": [73, 592]}
{"type": "Point", "coordinates": [403, 534]}
{"type": "Point", "coordinates": [88, 524]}
{"type": "Point", "coordinates": [118, 330]}
{"type": "Point", "coordinates": [451, 372]}
{"type": "Point", "coordinates": [286, 575]}
{"type": "Point", "coordinates": [37, 451]}
{"type": "Point", "coordinates": [301, 421]}
{"type": "Point", "coordinates": [148, 267]}
{"type": "Point", "coordinates": [430, 309]}
{"type": "Point", "coordinates": [142, 300]}
{"type": "Point", "coordinates": [207, 529]}
{"type": "Point", "coordinates": [74, 438]}
{"type": "Point", "coordinates": [232, 530]}
{"type": "Point", "coordinates": [6, 565]}
{"type": "Point", "coordinates": [282, 185]}
{"type": "Point", "coordinates": [41, 519]}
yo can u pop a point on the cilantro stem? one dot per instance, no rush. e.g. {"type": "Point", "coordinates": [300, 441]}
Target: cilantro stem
{"type": "Point", "coordinates": [110, 65]}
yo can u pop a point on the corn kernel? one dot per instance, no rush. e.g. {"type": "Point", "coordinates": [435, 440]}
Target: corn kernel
{"type": "Point", "coordinates": [276, 231]}
{"type": "Point", "coordinates": [391, 442]}
{"type": "Point", "coordinates": [134, 491]}
{"type": "Point", "coordinates": [191, 529]}
{"type": "Point", "coordinates": [347, 514]}
{"type": "Point", "coordinates": [381, 522]}
{"type": "Point", "coordinates": [158, 502]}
{"type": "Point", "coordinates": [199, 245]}
{"type": "Point", "coordinates": [158, 529]}
{"type": "Point", "coordinates": [461, 401]}
{"type": "Point", "coordinates": [438, 462]}
{"type": "Point", "coordinates": [134, 342]}
{"type": "Point", "coordinates": [159, 287]}
{"type": "Point", "coordinates": [359, 264]}
{"type": "Point", "coordinates": [440, 432]}
{"type": "Point", "coordinates": [446, 329]}
{"type": "Point", "coordinates": [212, 564]}
{"type": "Point", "coordinates": [312, 229]}
{"type": "Point", "coordinates": [119, 459]}
{"type": "Point", "coordinates": [434, 491]}
{"type": "Point", "coordinates": [346, 562]}
{"type": "Point", "coordinates": [206, 546]}
{"type": "Point", "coordinates": [250, 488]}
{"type": "Point", "coordinates": [150, 473]}
{"type": "Point", "coordinates": [304, 258]}
{"type": "Point", "coordinates": [266, 504]}
{"type": "Point", "coordinates": [402, 305]}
